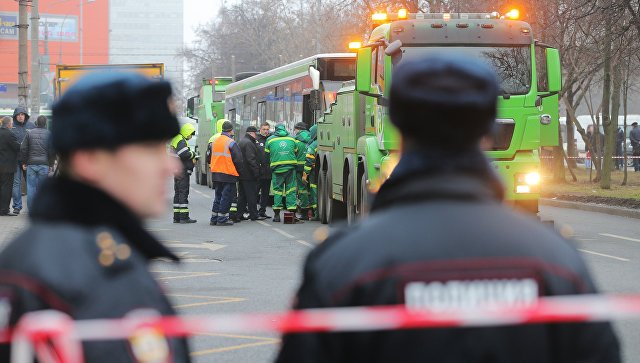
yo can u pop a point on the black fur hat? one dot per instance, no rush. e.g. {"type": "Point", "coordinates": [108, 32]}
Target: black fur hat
{"type": "Point", "coordinates": [107, 110]}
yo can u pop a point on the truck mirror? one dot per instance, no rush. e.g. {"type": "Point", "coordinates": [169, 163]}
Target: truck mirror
{"type": "Point", "coordinates": [315, 77]}
{"type": "Point", "coordinates": [394, 50]}
{"type": "Point", "coordinates": [363, 70]}
{"type": "Point", "coordinates": [554, 73]}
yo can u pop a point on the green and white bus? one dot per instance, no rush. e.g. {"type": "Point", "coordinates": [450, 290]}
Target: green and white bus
{"type": "Point", "coordinates": [288, 94]}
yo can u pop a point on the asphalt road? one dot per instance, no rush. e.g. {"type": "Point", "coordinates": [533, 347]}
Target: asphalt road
{"type": "Point", "coordinates": [611, 247]}
{"type": "Point", "coordinates": [256, 267]}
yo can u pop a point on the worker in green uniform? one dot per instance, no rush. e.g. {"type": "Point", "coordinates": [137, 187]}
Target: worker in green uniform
{"type": "Point", "coordinates": [302, 138]}
{"type": "Point", "coordinates": [281, 150]}
{"type": "Point", "coordinates": [309, 173]}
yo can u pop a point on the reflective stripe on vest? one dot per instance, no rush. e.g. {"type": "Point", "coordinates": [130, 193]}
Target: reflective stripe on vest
{"type": "Point", "coordinates": [221, 161]}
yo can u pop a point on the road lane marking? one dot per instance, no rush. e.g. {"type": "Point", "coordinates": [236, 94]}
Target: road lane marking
{"type": "Point", "coordinates": [207, 246]}
{"type": "Point", "coordinates": [201, 193]}
{"type": "Point", "coordinates": [189, 274]}
{"type": "Point", "coordinates": [586, 239]}
{"type": "Point", "coordinates": [233, 347]}
{"type": "Point", "coordinates": [236, 336]}
{"type": "Point", "coordinates": [209, 300]}
{"type": "Point", "coordinates": [158, 229]}
{"type": "Point", "coordinates": [264, 223]}
{"type": "Point", "coordinates": [604, 255]}
{"type": "Point", "coordinates": [620, 237]}
{"type": "Point", "coordinates": [283, 233]}
{"type": "Point", "coordinates": [303, 242]}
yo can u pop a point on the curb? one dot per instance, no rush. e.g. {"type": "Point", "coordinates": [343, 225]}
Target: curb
{"type": "Point", "coordinates": [598, 208]}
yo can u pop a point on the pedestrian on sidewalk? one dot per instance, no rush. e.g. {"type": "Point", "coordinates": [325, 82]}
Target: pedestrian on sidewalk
{"type": "Point", "coordinates": [21, 124]}
{"type": "Point", "coordinates": [86, 252]}
{"type": "Point", "coordinates": [439, 238]}
{"type": "Point", "coordinates": [37, 157]}
{"type": "Point", "coordinates": [634, 137]}
{"type": "Point", "coordinates": [226, 165]}
{"type": "Point", "coordinates": [247, 196]}
{"type": "Point", "coordinates": [9, 149]}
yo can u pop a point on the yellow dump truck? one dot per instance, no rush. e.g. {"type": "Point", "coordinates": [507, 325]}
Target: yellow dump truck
{"type": "Point", "coordinates": [67, 74]}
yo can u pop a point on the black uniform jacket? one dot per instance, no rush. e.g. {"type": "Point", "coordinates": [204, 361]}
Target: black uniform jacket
{"type": "Point", "coordinates": [85, 255]}
{"type": "Point", "coordinates": [434, 230]}
{"type": "Point", "coordinates": [265, 168]}
{"type": "Point", "coordinates": [251, 158]}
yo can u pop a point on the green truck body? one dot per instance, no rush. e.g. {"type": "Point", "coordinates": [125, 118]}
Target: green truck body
{"type": "Point", "coordinates": [358, 145]}
{"type": "Point", "coordinates": [207, 108]}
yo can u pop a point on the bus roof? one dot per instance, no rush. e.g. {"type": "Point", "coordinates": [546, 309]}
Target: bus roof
{"type": "Point", "coordinates": [281, 74]}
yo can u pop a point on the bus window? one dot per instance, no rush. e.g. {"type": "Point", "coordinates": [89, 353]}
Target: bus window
{"type": "Point", "coordinates": [262, 112]}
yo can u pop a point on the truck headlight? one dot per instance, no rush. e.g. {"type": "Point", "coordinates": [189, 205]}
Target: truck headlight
{"type": "Point", "coordinates": [527, 183]}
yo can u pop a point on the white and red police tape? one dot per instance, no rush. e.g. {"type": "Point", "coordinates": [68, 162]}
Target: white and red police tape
{"type": "Point", "coordinates": [38, 330]}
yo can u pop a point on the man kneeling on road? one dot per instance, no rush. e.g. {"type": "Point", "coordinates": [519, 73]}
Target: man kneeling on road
{"type": "Point", "coordinates": [226, 165]}
{"type": "Point", "coordinates": [438, 237]}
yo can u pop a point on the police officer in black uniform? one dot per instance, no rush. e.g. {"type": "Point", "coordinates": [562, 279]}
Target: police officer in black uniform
{"type": "Point", "coordinates": [438, 236]}
{"type": "Point", "coordinates": [86, 251]}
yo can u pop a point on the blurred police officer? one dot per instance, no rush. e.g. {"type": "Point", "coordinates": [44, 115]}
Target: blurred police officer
{"type": "Point", "coordinates": [86, 251]}
{"type": "Point", "coordinates": [438, 237]}
{"type": "Point", "coordinates": [181, 181]}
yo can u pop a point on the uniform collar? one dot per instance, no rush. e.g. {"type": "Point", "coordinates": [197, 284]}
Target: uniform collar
{"type": "Point", "coordinates": [68, 201]}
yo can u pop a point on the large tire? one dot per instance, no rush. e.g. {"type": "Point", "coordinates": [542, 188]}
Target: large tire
{"type": "Point", "coordinates": [328, 196]}
{"type": "Point", "coordinates": [351, 208]}
{"type": "Point", "coordinates": [363, 208]}
{"type": "Point", "coordinates": [322, 212]}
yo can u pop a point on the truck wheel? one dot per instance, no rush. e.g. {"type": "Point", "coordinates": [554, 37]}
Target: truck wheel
{"type": "Point", "coordinates": [351, 208]}
{"type": "Point", "coordinates": [322, 214]}
{"type": "Point", "coordinates": [328, 197]}
{"type": "Point", "coordinates": [364, 197]}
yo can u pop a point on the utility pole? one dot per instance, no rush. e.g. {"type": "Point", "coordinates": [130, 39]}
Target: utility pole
{"type": "Point", "coordinates": [23, 72]}
{"type": "Point", "coordinates": [319, 14]}
{"type": "Point", "coordinates": [35, 58]}
{"type": "Point", "coordinates": [81, 31]}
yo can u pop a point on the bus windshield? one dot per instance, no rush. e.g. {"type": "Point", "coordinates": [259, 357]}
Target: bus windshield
{"type": "Point", "coordinates": [511, 63]}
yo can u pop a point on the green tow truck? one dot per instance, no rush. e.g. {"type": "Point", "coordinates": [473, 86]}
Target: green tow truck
{"type": "Point", "coordinates": [358, 145]}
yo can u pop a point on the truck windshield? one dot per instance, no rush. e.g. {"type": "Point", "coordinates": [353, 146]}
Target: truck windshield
{"type": "Point", "coordinates": [511, 63]}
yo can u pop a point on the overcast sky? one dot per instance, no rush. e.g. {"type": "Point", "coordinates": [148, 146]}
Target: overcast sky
{"type": "Point", "coordinates": [198, 12]}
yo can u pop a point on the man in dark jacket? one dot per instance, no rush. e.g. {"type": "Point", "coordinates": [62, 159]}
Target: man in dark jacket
{"type": "Point", "coordinates": [264, 181]}
{"type": "Point", "coordinates": [37, 157]}
{"type": "Point", "coordinates": [247, 196]}
{"type": "Point", "coordinates": [9, 148]}
{"type": "Point", "coordinates": [226, 166]}
{"type": "Point", "coordinates": [86, 251]}
{"type": "Point", "coordinates": [634, 138]}
{"type": "Point", "coordinates": [411, 250]}
{"type": "Point", "coordinates": [21, 124]}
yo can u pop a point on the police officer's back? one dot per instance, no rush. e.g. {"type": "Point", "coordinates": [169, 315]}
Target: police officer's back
{"type": "Point", "coordinates": [438, 237]}
{"type": "Point", "coordinates": [86, 251]}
